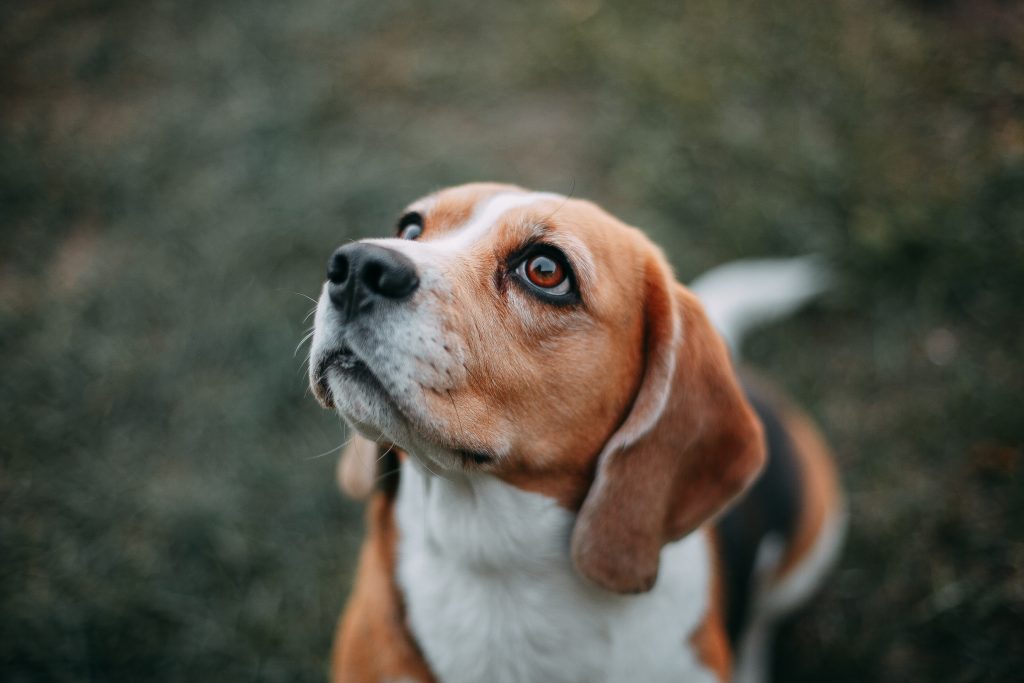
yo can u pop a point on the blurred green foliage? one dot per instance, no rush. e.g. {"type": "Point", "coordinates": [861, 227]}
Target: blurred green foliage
{"type": "Point", "coordinates": [173, 176]}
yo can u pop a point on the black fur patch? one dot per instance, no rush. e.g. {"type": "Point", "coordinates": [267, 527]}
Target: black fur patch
{"type": "Point", "coordinates": [388, 466]}
{"type": "Point", "coordinates": [771, 506]}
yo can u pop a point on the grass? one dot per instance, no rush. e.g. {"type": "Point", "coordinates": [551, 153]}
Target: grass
{"type": "Point", "coordinates": [174, 175]}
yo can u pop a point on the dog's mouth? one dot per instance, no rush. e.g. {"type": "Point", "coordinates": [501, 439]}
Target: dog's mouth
{"type": "Point", "coordinates": [344, 360]}
{"type": "Point", "coordinates": [353, 369]}
{"type": "Point", "coordinates": [475, 457]}
{"type": "Point", "coordinates": [343, 357]}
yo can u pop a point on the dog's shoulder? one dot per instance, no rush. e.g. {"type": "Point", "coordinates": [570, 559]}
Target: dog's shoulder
{"type": "Point", "coordinates": [373, 642]}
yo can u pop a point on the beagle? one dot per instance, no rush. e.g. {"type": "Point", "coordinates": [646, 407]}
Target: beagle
{"type": "Point", "coordinates": [567, 480]}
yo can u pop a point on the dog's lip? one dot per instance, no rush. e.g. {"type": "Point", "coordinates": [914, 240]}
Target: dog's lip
{"type": "Point", "coordinates": [355, 370]}
{"type": "Point", "coordinates": [475, 457]}
{"type": "Point", "coordinates": [343, 356]}
{"type": "Point", "coordinates": [347, 362]}
{"type": "Point", "coordinates": [344, 359]}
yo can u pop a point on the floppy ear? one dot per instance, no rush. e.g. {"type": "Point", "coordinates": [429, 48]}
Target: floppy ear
{"type": "Point", "coordinates": [357, 467]}
{"type": "Point", "coordinates": [688, 447]}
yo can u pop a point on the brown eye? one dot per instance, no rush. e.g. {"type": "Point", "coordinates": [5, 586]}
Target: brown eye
{"type": "Point", "coordinates": [547, 273]}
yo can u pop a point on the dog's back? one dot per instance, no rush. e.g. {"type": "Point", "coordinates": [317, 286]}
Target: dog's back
{"type": "Point", "coordinates": [776, 544]}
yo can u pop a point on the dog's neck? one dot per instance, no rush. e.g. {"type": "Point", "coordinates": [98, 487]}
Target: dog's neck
{"type": "Point", "coordinates": [480, 523]}
{"type": "Point", "coordinates": [492, 595]}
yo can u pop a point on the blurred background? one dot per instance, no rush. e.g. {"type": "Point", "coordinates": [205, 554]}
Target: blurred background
{"type": "Point", "coordinates": [173, 176]}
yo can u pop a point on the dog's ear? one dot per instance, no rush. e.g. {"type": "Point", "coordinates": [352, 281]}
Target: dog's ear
{"type": "Point", "coordinates": [357, 467]}
{"type": "Point", "coordinates": [689, 445]}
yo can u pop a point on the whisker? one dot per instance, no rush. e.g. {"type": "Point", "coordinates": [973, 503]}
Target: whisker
{"type": "Point", "coordinates": [336, 448]}
{"type": "Point", "coordinates": [305, 296]}
{"type": "Point", "coordinates": [388, 473]}
{"type": "Point", "coordinates": [304, 340]}
{"type": "Point", "coordinates": [462, 429]}
{"type": "Point", "coordinates": [385, 453]}
{"type": "Point", "coordinates": [423, 462]}
{"type": "Point", "coordinates": [471, 375]}
{"type": "Point", "coordinates": [565, 201]}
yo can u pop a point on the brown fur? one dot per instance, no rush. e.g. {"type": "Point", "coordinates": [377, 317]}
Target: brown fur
{"type": "Point", "coordinates": [446, 211]}
{"type": "Point", "coordinates": [690, 445]}
{"type": "Point", "coordinates": [822, 498]}
{"type": "Point", "coordinates": [372, 643]}
{"type": "Point", "coordinates": [587, 361]}
{"type": "Point", "coordinates": [710, 640]}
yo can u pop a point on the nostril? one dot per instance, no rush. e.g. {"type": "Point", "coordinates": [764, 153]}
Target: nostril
{"type": "Point", "coordinates": [337, 268]}
{"type": "Point", "coordinates": [398, 283]}
{"type": "Point", "coordinates": [391, 276]}
{"type": "Point", "coordinates": [372, 275]}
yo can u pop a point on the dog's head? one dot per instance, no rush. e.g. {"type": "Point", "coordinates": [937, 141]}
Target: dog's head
{"type": "Point", "coordinates": [540, 340]}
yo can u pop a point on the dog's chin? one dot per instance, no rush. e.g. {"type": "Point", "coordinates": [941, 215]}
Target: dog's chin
{"type": "Point", "coordinates": [346, 383]}
{"type": "Point", "coordinates": [340, 362]}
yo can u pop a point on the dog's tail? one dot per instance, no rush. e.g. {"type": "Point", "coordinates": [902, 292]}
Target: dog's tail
{"type": "Point", "coordinates": [742, 295]}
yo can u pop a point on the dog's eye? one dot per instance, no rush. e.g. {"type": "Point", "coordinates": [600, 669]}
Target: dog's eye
{"type": "Point", "coordinates": [410, 226]}
{"type": "Point", "coordinates": [547, 272]}
{"type": "Point", "coordinates": [411, 231]}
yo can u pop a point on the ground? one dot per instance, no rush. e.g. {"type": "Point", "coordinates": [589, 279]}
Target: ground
{"type": "Point", "coordinates": [173, 176]}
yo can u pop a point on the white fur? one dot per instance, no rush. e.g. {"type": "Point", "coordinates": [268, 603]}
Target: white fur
{"type": "Point", "coordinates": [741, 295]}
{"type": "Point", "coordinates": [486, 215]}
{"type": "Point", "coordinates": [492, 595]}
{"type": "Point", "coordinates": [800, 583]}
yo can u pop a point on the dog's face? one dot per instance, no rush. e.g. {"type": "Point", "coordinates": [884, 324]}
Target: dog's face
{"type": "Point", "coordinates": [537, 338]}
{"type": "Point", "coordinates": [519, 348]}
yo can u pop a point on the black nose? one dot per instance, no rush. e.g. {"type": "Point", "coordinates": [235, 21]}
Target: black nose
{"type": "Point", "coordinates": [360, 274]}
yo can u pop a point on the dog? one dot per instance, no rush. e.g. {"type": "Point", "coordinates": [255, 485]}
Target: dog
{"type": "Point", "coordinates": [567, 479]}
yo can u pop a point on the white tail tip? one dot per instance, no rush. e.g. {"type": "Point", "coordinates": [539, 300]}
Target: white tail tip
{"type": "Point", "coordinates": [741, 295]}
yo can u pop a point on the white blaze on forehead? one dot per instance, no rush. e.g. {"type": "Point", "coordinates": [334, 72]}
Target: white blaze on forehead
{"type": "Point", "coordinates": [487, 214]}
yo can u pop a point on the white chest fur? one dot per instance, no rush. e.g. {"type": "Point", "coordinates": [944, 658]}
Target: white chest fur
{"type": "Point", "coordinates": [492, 595]}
